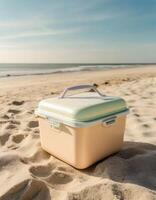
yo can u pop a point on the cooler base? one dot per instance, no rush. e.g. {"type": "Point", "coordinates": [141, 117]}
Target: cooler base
{"type": "Point", "coordinates": [82, 147]}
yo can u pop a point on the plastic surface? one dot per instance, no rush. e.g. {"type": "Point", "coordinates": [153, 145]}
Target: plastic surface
{"type": "Point", "coordinates": [83, 128]}
{"type": "Point", "coordinates": [81, 147]}
{"type": "Point", "coordinates": [81, 107]}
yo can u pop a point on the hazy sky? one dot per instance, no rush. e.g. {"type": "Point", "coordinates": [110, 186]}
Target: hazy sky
{"type": "Point", "coordinates": [77, 31]}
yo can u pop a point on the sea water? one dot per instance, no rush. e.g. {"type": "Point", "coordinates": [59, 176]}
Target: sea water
{"type": "Point", "coordinates": [44, 68]}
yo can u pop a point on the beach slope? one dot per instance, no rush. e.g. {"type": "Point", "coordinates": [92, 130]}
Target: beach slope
{"type": "Point", "coordinates": [29, 173]}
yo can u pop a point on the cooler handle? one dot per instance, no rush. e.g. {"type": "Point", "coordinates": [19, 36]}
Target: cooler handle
{"type": "Point", "coordinates": [78, 87]}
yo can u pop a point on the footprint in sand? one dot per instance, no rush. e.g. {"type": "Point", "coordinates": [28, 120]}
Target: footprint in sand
{"type": "Point", "coordinates": [30, 112]}
{"type": "Point", "coordinates": [5, 117]}
{"type": "Point", "coordinates": [38, 156]}
{"type": "Point", "coordinates": [10, 122]}
{"type": "Point", "coordinates": [51, 174]}
{"type": "Point", "coordinates": [17, 138]}
{"type": "Point", "coordinates": [145, 97]}
{"type": "Point", "coordinates": [36, 131]}
{"type": "Point", "coordinates": [41, 170]}
{"type": "Point", "coordinates": [59, 177]}
{"type": "Point", "coordinates": [145, 125]}
{"type": "Point", "coordinates": [15, 122]}
{"type": "Point", "coordinates": [28, 189]}
{"type": "Point", "coordinates": [33, 124]}
{"type": "Point", "coordinates": [12, 146]}
{"type": "Point", "coordinates": [52, 93]}
{"type": "Point", "coordinates": [14, 111]}
{"type": "Point", "coordinates": [11, 126]}
{"type": "Point", "coordinates": [4, 138]}
{"type": "Point", "coordinates": [136, 115]}
{"type": "Point", "coordinates": [18, 103]}
{"type": "Point", "coordinates": [3, 121]}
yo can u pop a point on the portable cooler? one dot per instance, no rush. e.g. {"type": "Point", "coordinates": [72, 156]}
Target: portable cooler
{"type": "Point", "coordinates": [83, 128]}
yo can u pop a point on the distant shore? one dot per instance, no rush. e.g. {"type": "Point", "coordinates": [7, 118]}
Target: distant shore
{"type": "Point", "coordinates": [103, 77]}
{"type": "Point", "coordinates": [13, 70]}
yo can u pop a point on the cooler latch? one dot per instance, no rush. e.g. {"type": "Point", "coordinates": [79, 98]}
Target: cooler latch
{"type": "Point", "coordinates": [54, 123]}
{"type": "Point", "coordinates": [109, 121]}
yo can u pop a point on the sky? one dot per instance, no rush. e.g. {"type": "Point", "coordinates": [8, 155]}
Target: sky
{"type": "Point", "coordinates": [77, 31]}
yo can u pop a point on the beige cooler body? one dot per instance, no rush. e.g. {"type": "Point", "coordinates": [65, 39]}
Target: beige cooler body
{"type": "Point", "coordinates": [70, 136]}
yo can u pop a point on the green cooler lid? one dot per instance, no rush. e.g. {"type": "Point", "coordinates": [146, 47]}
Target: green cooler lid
{"type": "Point", "coordinates": [82, 107]}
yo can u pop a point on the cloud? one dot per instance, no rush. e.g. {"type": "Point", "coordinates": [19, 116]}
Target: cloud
{"type": "Point", "coordinates": [94, 18]}
{"type": "Point", "coordinates": [37, 23]}
{"type": "Point", "coordinates": [48, 32]}
{"type": "Point", "coordinates": [26, 23]}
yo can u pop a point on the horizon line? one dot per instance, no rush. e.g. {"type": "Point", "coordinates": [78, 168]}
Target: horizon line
{"type": "Point", "coordinates": [100, 63]}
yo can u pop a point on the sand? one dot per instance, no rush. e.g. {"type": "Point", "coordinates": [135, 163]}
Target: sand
{"type": "Point", "coordinates": [27, 172]}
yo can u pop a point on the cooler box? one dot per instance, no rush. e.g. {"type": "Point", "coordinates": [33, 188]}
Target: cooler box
{"type": "Point", "coordinates": [83, 128]}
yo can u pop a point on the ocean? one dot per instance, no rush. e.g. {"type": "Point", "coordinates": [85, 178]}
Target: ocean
{"type": "Point", "coordinates": [17, 69]}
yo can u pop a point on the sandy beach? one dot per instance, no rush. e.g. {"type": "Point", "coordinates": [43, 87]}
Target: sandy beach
{"type": "Point", "coordinates": [29, 173]}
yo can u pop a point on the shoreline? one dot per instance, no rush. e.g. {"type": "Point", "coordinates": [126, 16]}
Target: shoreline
{"type": "Point", "coordinates": [84, 69]}
{"type": "Point", "coordinates": [104, 77]}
